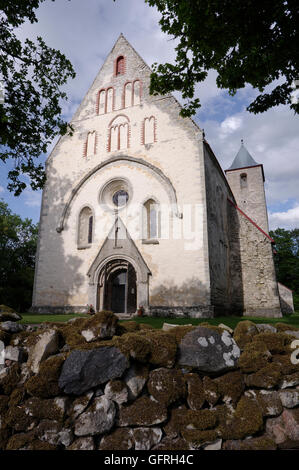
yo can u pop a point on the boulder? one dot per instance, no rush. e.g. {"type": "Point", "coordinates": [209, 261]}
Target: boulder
{"type": "Point", "coordinates": [208, 351]}
{"type": "Point", "coordinates": [225, 327]}
{"type": "Point", "coordinates": [170, 326]}
{"type": "Point", "coordinates": [172, 444]}
{"type": "Point", "coordinates": [53, 433]}
{"type": "Point", "coordinates": [267, 377]}
{"type": "Point", "coordinates": [289, 398]}
{"type": "Point", "coordinates": [196, 395]}
{"type": "Point", "coordinates": [11, 327]}
{"type": "Point", "coordinates": [166, 385]}
{"type": "Point", "coordinates": [244, 332]}
{"type": "Point", "coordinates": [268, 401]}
{"type": "Point", "coordinates": [120, 439]}
{"type": "Point", "coordinates": [102, 325]}
{"type": "Point", "coordinates": [253, 443]}
{"type": "Point", "coordinates": [143, 412]}
{"type": "Point", "coordinates": [117, 391]}
{"type": "Point", "coordinates": [97, 419]}
{"type": "Point", "coordinates": [83, 443]}
{"type": "Point", "coordinates": [135, 379]}
{"type": "Point", "coordinates": [16, 354]}
{"type": "Point", "coordinates": [264, 327]}
{"type": "Point", "coordinates": [290, 380]}
{"type": "Point", "coordinates": [79, 405]}
{"type": "Point", "coordinates": [293, 333]}
{"type": "Point", "coordinates": [47, 345]}
{"type": "Point", "coordinates": [84, 370]}
{"type": "Point", "coordinates": [284, 429]}
{"type": "Point", "coordinates": [216, 445]}
{"type": "Point", "coordinates": [9, 316]}
{"type": "Point", "coordinates": [146, 438]}
{"type": "Point", "coordinates": [230, 386]}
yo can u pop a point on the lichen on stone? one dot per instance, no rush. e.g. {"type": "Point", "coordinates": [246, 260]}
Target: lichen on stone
{"type": "Point", "coordinates": [167, 385]}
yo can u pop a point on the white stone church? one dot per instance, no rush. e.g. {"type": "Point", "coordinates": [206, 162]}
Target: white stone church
{"type": "Point", "coordinates": [138, 214]}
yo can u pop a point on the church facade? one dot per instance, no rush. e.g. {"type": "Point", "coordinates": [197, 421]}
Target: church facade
{"type": "Point", "coordinates": [137, 213]}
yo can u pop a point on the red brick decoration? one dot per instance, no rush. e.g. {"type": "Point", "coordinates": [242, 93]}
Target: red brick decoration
{"type": "Point", "coordinates": [85, 146]}
{"type": "Point", "coordinates": [118, 127]}
{"type": "Point", "coordinates": [120, 66]}
{"type": "Point", "coordinates": [106, 90]}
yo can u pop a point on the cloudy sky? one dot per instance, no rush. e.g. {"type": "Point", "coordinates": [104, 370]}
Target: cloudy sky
{"type": "Point", "coordinates": [86, 31]}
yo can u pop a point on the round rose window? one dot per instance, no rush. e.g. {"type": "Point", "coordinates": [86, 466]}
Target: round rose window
{"type": "Point", "coordinates": [120, 198]}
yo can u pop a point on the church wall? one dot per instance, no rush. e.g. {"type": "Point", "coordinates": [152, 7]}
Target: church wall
{"type": "Point", "coordinates": [218, 233]}
{"type": "Point", "coordinates": [179, 267]}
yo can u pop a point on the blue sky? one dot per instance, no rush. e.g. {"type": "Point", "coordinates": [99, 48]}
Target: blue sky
{"type": "Point", "coordinates": [86, 31]}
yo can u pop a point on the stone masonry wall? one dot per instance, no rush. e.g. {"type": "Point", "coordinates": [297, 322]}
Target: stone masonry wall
{"type": "Point", "coordinates": [96, 384]}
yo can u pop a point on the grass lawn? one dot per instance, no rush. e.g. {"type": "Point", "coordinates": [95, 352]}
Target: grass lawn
{"type": "Point", "coordinates": [157, 322]}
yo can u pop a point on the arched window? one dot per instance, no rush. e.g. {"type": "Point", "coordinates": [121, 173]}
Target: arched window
{"type": "Point", "coordinates": [150, 220]}
{"type": "Point", "coordinates": [128, 95]}
{"type": "Point", "coordinates": [136, 95]}
{"type": "Point", "coordinates": [101, 102]}
{"type": "Point", "coordinates": [85, 228]}
{"type": "Point", "coordinates": [105, 101]}
{"type": "Point", "coordinates": [120, 65]}
{"type": "Point", "coordinates": [118, 134]}
{"type": "Point", "coordinates": [243, 180]}
{"type": "Point", "coordinates": [149, 130]}
{"type": "Point", "coordinates": [90, 144]}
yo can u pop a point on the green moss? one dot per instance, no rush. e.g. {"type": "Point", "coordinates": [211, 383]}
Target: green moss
{"type": "Point", "coordinates": [179, 332]}
{"type": "Point", "coordinates": [246, 421]}
{"type": "Point", "coordinates": [18, 418]}
{"type": "Point", "coordinates": [167, 385]}
{"type": "Point", "coordinates": [3, 404]}
{"type": "Point", "coordinates": [285, 327]}
{"type": "Point", "coordinates": [116, 386]}
{"type": "Point", "coordinates": [17, 396]}
{"type": "Point", "coordinates": [211, 392]}
{"type": "Point", "coordinates": [254, 357]}
{"type": "Point", "coordinates": [20, 440]}
{"type": "Point", "coordinates": [134, 345]}
{"type": "Point", "coordinates": [231, 385]}
{"type": "Point", "coordinates": [267, 377]}
{"type": "Point", "coordinates": [183, 419]}
{"type": "Point", "coordinates": [255, 443]}
{"type": "Point", "coordinates": [172, 444]}
{"type": "Point", "coordinates": [40, 445]}
{"type": "Point", "coordinates": [45, 383]}
{"type": "Point", "coordinates": [127, 327]}
{"type": "Point", "coordinates": [276, 343]}
{"type": "Point", "coordinates": [44, 409]}
{"type": "Point", "coordinates": [146, 326]}
{"type": "Point", "coordinates": [120, 439]}
{"type": "Point", "coordinates": [142, 412]}
{"type": "Point", "coordinates": [284, 363]}
{"type": "Point", "coordinates": [5, 308]}
{"type": "Point", "coordinates": [163, 348]}
{"type": "Point", "coordinates": [244, 333]}
{"type": "Point", "coordinates": [196, 395]}
{"type": "Point", "coordinates": [10, 381]}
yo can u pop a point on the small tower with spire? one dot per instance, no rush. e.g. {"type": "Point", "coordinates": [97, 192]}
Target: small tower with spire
{"type": "Point", "coordinates": [246, 179]}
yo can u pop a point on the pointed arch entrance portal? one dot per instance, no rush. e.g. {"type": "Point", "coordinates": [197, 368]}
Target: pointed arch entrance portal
{"type": "Point", "coordinates": [117, 290]}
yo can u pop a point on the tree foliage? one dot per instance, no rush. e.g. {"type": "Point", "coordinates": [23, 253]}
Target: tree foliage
{"type": "Point", "coordinates": [251, 42]}
{"type": "Point", "coordinates": [18, 240]}
{"type": "Point", "coordinates": [33, 75]}
{"type": "Point", "coordinates": [287, 259]}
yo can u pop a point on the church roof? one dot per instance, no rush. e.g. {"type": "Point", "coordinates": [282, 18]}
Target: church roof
{"type": "Point", "coordinates": [243, 159]}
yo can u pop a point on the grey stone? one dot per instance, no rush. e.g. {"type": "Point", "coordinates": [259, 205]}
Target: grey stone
{"type": "Point", "coordinates": [119, 395]}
{"type": "Point", "coordinates": [170, 326]}
{"type": "Point", "coordinates": [135, 379]}
{"type": "Point", "coordinates": [284, 429]}
{"type": "Point", "coordinates": [79, 405]}
{"type": "Point", "coordinates": [47, 344]}
{"type": "Point", "coordinates": [208, 351]}
{"type": "Point", "coordinates": [84, 370]}
{"type": "Point", "coordinates": [146, 438]}
{"type": "Point", "coordinates": [53, 433]}
{"type": "Point", "coordinates": [97, 419]}
{"type": "Point", "coordinates": [289, 398]}
{"type": "Point", "coordinates": [11, 327]}
{"type": "Point", "coordinates": [13, 353]}
{"type": "Point", "coordinates": [9, 316]}
{"type": "Point", "coordinates": [293, 333]}
{"type": "Point", "coordinates": [216, 445]}
{"type": "Point", "coordinates": [265, 327]}
{"type": "Point", "coordinates": [290, 380]}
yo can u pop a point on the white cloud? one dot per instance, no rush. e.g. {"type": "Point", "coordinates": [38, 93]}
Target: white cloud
{"type": "Point", "coordinates": [288, 219]}
{"type": "Point", "coordinates": [32, 198]}
{"type": "Point", "coordinates": [2, 189]}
